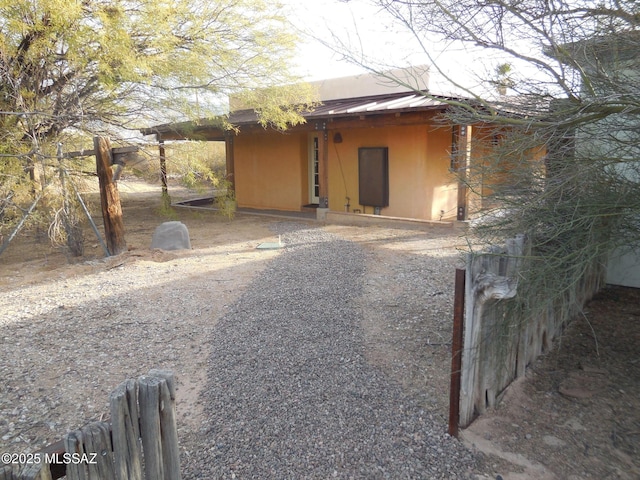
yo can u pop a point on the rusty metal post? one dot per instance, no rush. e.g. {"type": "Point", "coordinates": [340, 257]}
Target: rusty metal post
{"type": "Point", "coordinates": [456, 352]}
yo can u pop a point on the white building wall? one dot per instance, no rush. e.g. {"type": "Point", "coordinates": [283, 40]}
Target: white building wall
{"type": "Point", "coordinates": [367, 84]}
{"type": "Point", "coordinates": [617, 137]}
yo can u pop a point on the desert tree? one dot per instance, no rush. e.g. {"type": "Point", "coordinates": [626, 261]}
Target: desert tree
{"type": "Point", "coordinates": [557, 97]}
{"type": "Point", "coordinates": [90, 64]}
{"type": "Point", "coordinates": [113, 66]}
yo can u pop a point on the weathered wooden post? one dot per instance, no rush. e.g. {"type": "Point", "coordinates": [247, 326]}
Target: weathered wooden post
{"type": "Point", "coordinates": [126, 431]}
{"type": "Point", "coordinates": [109, 198]}
{"type": "Point", "coordinates": [168, 424]}
{"type": "Point", "coordinates": [230, 160]}
{"type": "Point", "coordinates": [158, 425]}
{"type": "Point", "coordinates": [166, 199]}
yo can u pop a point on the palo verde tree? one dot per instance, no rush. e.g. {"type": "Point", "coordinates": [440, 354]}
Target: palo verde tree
{"type": "Point", "coordinates": [89, 64]}
{"type": "Point", "coordinates": [108, 66]}
{"type": "Point", "coordinates": [563, 119]}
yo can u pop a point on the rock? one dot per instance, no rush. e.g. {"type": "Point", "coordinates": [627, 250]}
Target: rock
{"type": "Point", "coordinates": [576, 392]}
{"type": "Point", "coordinates": [574, 424]}
{"type": "Point", "coordinates": [582, 384]}
{"type": "Point", "coordinates": [593, 369]}
{"type": "Point", "coordinates": [553, 441]}
{"type": "Point", "coordinates": [171, 236]}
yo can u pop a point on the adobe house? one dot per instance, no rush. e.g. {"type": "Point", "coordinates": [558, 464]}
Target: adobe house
{"type": "Point", "coordinates": [370, 148]}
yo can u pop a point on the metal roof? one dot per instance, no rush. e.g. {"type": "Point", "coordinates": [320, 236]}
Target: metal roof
{"type": "Point", "coordinates": [347, 107]}
{"type": "Point", "coordinates": [379, 105]}
{"type": "Point", "coordinates": [370, 105]}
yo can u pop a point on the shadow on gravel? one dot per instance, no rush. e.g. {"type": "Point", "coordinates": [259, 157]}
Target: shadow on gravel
{"type": "Point", "coordinates": [290, 392]}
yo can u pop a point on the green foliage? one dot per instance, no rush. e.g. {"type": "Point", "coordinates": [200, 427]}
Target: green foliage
{"type": "Point", "coordinates": [279, 106]}
{"type": "Point", "coordinates": [166, 210]}
{"type": "Point", "coordinates": [225, 202]}
{"type": "Point", "coordinates": [91, 64]}
{"type": "Point", "coordinates": [75, 68]}
{"type": "Point", "coordinates": [503, 78]}
{"type": "Point", "coordinates": [198, 165]}
{"type": "Point", "coordinates": [563, 168]}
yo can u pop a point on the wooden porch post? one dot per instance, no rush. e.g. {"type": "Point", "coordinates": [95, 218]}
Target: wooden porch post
{"type": "Point", "coordinates": [463, 153]}
{"type": "Point", "coordinates": [109, 198]}
{"type": "Point", "coordinates": [163, 167]}
{"type": "Point", "coordinates": [231, 168]}
{"type": "Point", "coordinates": [323, 168]}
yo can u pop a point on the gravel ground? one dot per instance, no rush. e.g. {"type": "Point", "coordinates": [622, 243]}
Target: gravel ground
{"type": "Point", "coordinates": [290, 392]}
{"type": "Point", "coordinates": [325, 359]}
{"type": "Point", "coordinates": [328, 358]}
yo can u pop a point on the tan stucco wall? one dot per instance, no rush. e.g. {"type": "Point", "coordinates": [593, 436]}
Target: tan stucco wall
{"type": "Point", "coordinates": [272, 170]}
{"type": "Point", "coordinates": [420, 185]}
{"type": "Point", "coordinates": [441, 181]}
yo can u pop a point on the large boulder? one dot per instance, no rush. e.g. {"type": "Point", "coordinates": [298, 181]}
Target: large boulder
{"type": "Point", "coordinates": [171, 236]}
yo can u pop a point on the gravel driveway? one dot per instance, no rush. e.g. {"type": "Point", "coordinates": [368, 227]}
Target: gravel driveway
{"type": "Point", "coordinates": [290, 393]}
{"type": "Point", "coordinates": [328, 358]}
{"type": "Point", "coordinates": [325, 359]}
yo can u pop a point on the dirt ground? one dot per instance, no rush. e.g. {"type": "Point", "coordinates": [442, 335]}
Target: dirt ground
{"type": "Point", "coordinates": [575, 415]}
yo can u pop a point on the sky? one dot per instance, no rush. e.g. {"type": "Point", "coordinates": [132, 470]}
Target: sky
{"type": "Point", "coordinates": [354, 22]}
{"type": "Point", "coordinates": [371, 32]}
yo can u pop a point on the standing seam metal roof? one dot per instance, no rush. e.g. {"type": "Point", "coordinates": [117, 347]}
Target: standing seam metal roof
{"type": "Point", "coordinates": [356, 106]}
{"type": "Point", "coordinates": [347, 107]}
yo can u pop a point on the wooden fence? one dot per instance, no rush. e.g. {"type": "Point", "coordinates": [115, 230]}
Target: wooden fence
{"type": "Point", "coordinates": [140, 442]}
{"type": "Point", "coordinates": [498, 346]}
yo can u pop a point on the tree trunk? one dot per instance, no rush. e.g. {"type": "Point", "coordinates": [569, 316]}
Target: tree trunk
{"type": "Point", "coordinates": [109, 198]}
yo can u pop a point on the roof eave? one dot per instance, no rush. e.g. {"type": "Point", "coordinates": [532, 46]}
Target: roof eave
{"type": "Point", "coordinates": [333, 110]}
{"type": "Point", "coordinates": [215, 128]}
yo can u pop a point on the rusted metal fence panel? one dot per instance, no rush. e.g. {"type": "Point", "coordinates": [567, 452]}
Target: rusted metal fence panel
{"type": "Point", "coordinates": [498, 345]}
